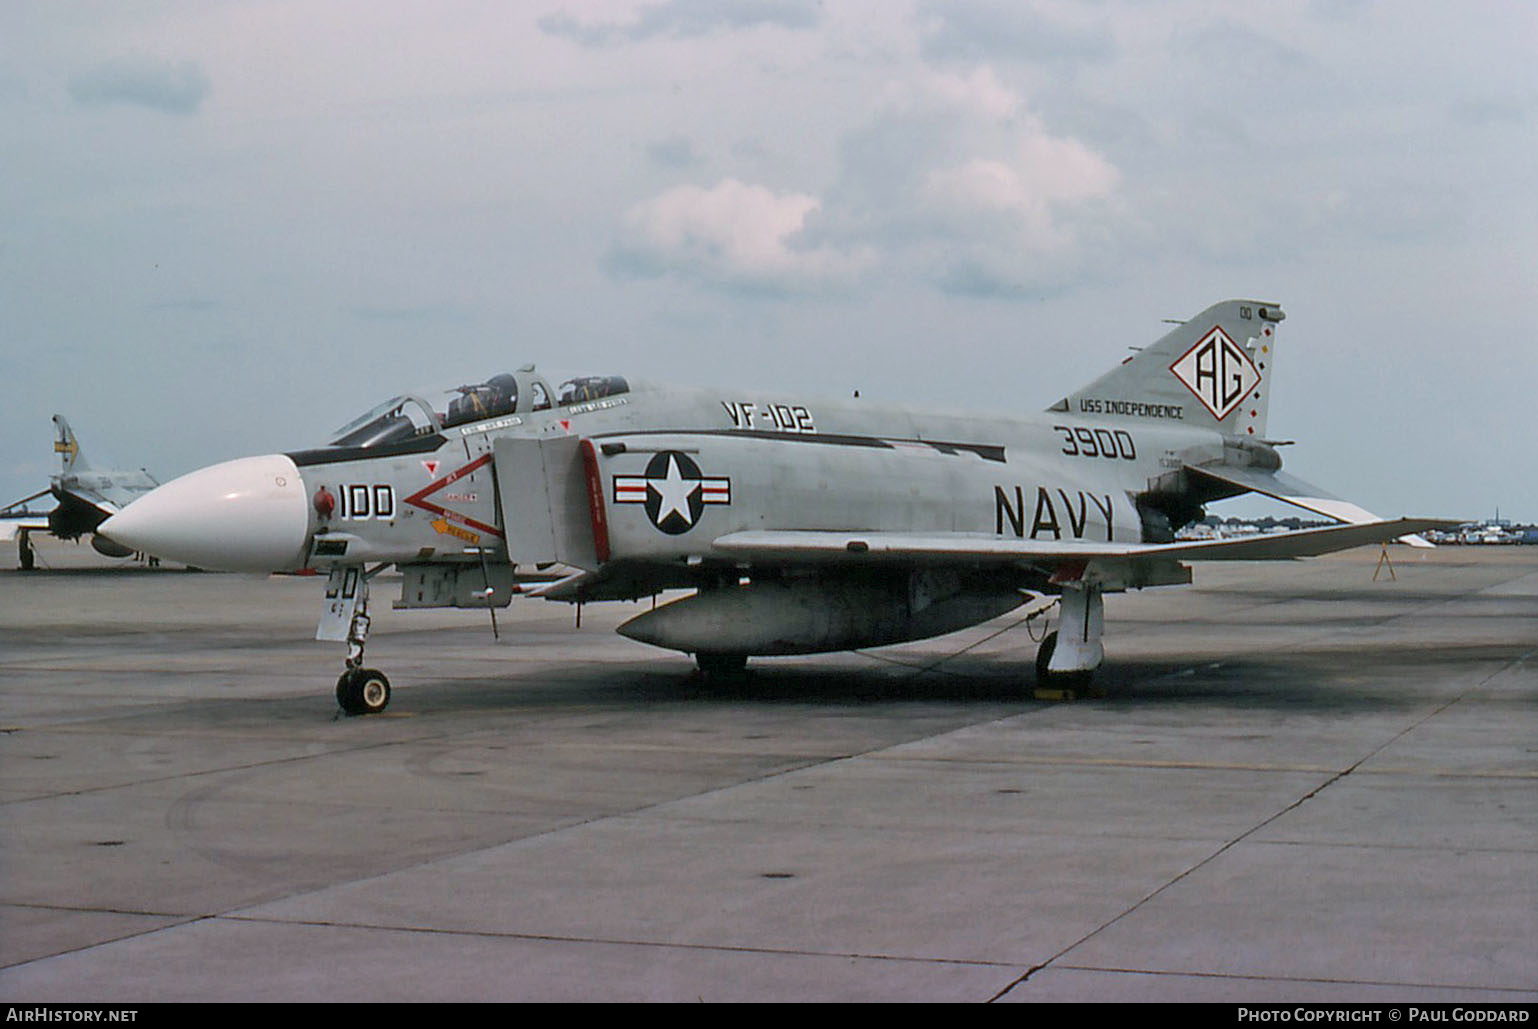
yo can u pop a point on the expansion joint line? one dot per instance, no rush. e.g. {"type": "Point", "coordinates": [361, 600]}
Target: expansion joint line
{"type": "Point", "coordinates": [1257, 827]}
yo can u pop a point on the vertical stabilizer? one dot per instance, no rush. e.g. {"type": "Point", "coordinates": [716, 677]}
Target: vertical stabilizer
{"type": "Point", "coordinates": [67, 447]}
{"type": "Point", "coordinates": [1212, 371]}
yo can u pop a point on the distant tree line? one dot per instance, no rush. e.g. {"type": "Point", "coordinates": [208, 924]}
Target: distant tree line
{"type": "Point", "coordinates": [1268, 522]}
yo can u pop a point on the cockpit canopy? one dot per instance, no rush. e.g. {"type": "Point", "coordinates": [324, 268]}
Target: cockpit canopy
{"type": "Point", "coordinates": [497, 395]}
{"type": "Point", "coordinates": [412, 415]}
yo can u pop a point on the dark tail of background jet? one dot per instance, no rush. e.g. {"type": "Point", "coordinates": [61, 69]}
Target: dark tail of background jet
{"type": "Point", "coordinates": [67, 447]}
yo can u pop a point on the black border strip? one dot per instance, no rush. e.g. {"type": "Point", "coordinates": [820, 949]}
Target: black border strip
{"type": "Point", "coordinates": [986, 451]}
{"type": "Point", "coordinates": [337, 455]}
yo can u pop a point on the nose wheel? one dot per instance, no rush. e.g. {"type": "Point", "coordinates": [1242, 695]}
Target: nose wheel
{"type": "Point", "coordinates": [363, 691]}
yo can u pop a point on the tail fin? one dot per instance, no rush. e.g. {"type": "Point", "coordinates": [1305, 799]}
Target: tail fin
{"type": "Point", "coordinates": [67, 447]}
{"type": "Point", "coordinates": [1212, 371]}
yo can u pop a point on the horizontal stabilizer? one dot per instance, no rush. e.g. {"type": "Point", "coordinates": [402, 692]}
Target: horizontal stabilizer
{"type": "Point", "coordinates": [1294, 491]}
{"type": "Point", "coordinates": [853, 547]}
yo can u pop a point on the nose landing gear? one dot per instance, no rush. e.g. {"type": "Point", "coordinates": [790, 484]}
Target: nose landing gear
{"type": "Point", "coordinates": [359, 690]}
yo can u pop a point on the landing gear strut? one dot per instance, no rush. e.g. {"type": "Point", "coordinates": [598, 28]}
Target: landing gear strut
{"type": "Point", "coordinates": [1069, 656]}
{"type": "Point", "coordinates": [359, 690]}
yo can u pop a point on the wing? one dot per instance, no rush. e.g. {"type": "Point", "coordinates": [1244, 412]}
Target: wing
{"type": "Point", "coordinates": [10, 528]}
{"type": "Point", "coordinates": [824, 547]}
{"type": "Point", "coordinates": [1115, 565]}
{"type": "Point", "coordinates": [12, 524]}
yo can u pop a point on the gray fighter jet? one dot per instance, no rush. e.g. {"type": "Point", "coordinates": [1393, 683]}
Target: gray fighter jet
{"type": "Point", "coordinates": [799, 525]}
{"type": "Point", "coordinates": [85, 497]}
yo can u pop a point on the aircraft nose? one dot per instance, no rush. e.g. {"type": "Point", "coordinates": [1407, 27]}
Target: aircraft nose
{"type": "Point", "coordinates": [248, 515]}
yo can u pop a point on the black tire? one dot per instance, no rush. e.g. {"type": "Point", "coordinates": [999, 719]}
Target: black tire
{"type": "Point", "coordinates": [722, 667]}
{"type": "Point", "coordinates": [363, 691]}
{"type": "Point", "coordinates": [1044, 657]}
{"type": "Point", "coordinates": [1058, 680]}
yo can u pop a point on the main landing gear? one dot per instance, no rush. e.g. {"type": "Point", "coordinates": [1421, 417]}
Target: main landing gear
{"type": "Point", "coordinates": [1068, 657]}
{"type": "Point", "coordinates": [722, 668]}
{"type": "Point", "coordinates": [359, 690]}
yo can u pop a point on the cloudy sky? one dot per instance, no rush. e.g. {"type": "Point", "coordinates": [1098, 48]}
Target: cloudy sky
{"type": "Point", "coordinates": [225, 228]}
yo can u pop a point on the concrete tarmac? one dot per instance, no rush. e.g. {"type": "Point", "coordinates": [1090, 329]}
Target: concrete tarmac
{"type": "Point", "coordinates": [1302, 785]}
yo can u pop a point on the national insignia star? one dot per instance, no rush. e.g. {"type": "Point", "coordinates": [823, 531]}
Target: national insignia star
{"type": "Point", "coordinates": [674, 491]}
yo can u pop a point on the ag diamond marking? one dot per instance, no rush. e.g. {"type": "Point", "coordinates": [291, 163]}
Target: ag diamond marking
{"type": "Point", "coordinates": [1218, 371]}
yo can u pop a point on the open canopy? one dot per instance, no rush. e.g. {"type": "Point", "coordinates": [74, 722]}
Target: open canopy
{"type": "Point", "coordinates": [419, 414]}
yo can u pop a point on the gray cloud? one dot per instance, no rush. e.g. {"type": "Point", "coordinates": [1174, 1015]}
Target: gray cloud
{"type": "Point", "coordinates": [174, 88]}
{"type": "Point", "coordinates": [1489, 111]}
{"type": "Point", "coordinates": [1235, 52]}
{"type": "Point", "coordinates": [1001, 30]}
{"type": "Point", "coordinates": [1388, 211]}
{"type": "Point", "coordinates": [962, 186]}
{"type": "Point", "coordinates": [687, 19]}
{"type": "Point", "coordinates": [953, 182]}
{"type": "Point", "coordinates": [735, 236]}
{"type": "Point", "coordinates": [425, 313]}
{"type": "Point", "coordinates": [673, 152]}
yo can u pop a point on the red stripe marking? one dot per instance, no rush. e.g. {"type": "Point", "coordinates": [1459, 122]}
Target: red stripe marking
{"type": "Point", "coordinates": [419, 499]}
{"type": "Point", "coordinates": [595, 502]}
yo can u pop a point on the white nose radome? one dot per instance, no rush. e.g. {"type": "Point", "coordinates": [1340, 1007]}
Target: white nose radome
{"type": "Point", "coordinates": [248, 515]}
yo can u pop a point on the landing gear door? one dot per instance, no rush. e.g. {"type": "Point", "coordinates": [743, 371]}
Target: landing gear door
{"type": "Point", "coordinates": [346, 588]}
{"type": "Point", "coordinates": [543, 486]}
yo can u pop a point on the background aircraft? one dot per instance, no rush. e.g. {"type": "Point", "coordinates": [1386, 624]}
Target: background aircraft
{"type": "Point", "coordinates": [85, 497]}
{"type": "Point", "coordinates": [802, 526]}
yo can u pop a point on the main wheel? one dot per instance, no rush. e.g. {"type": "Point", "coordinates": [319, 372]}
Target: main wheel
{"type": "Point", "coordinates": [1044, 657]}
{"type": "Point", "coordinates": [722, 667]}
{"type": "Point", "coordinates": [1057, 680]}
{"type": "Point", "coordinates": [363, 691]}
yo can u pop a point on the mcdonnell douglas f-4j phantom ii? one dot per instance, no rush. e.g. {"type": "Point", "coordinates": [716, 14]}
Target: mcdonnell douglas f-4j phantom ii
{"type": "Point", "coordinates": [85, 497]}
{"type": "Point", "coordinates": [801, 526]}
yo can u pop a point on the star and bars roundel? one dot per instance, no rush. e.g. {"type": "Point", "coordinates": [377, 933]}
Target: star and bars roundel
{"type": "Point", "coordinates": [674, 491]}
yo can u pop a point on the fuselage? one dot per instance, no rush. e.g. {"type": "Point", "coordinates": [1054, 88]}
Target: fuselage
{"type": "Point", "coordinates": [671, 469]}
